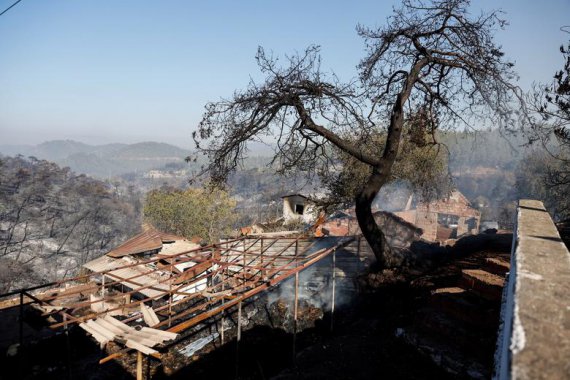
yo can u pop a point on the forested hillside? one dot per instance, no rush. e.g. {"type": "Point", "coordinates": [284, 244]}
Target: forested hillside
{"type": "Point", "coordinates": [102, 161]}
{"type": "Point", "coordinates": [53, 220]}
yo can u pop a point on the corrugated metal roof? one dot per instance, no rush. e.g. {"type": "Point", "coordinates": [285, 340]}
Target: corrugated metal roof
{"type": "Point", "coordinates": [104, 263]}
{"type": "Point", "coordinates": [148, 240]}
{"type": "Point", "coordinates": [177, 247]}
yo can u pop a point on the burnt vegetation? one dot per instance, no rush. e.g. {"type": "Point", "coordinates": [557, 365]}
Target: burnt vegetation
{"type": "Point", "coordinates": [52, 221]}
{"type": "Point", "coordinates": [549, 127]}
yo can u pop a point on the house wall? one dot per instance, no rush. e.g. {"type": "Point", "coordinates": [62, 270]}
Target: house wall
{"type": "Point", "coordinates": [425, 216]}
{"type": "Point", "coordinates": [408, 215]}
{"type": "Point", "coordinates": [427, 221]}
{"type": "Point", "coordinates": [289, 214]}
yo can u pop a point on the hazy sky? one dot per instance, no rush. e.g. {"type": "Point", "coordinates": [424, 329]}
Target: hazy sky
{"type": "Point", "coordinates": [137, 70]}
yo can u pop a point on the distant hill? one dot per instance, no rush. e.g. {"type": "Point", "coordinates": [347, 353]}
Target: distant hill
{"type": "Point", "coordinates": [101, 160]}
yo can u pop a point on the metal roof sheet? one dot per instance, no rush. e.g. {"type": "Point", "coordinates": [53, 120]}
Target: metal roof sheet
{"type": "Point", "coordinates": [177, 247]}
{"type": "Point", "coordinates": [148, 240]}
{"type": "Point", "coordinates": [104, 263]}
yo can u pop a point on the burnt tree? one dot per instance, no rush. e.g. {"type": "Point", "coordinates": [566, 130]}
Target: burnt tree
{"type": "Point", "coordinates": [431, 56]}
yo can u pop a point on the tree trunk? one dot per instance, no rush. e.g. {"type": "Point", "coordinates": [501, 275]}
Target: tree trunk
{"type": "Point", "coordinates": [381, 173]}
{"type": "Point", "coordinates": [370, 230]}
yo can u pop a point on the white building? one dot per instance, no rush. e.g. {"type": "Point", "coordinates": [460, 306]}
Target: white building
{"type": "Point", "coordinates": [298, 207]}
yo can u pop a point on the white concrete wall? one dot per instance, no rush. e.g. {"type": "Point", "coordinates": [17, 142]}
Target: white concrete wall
{"type": "Point", "coordinates": [309, 214]}
{"type": "Point", "coordinates": [534, 335]}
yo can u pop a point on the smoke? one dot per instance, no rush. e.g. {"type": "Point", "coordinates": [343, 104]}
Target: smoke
{"type": "Point", "coordinates": [393, 196]}
{"type": "Point", "coordinates": [316, 287]}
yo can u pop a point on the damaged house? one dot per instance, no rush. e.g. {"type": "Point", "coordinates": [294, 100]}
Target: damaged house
{"type": "Point", "coordinates": [443, 219]}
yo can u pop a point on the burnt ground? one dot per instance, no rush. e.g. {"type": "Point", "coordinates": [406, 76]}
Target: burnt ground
{"type": "Point", "coordinates": [383, 334]}
{"type": "Point", "coordinates": [403, 327]}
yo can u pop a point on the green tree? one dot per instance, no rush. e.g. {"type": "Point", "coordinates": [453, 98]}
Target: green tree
{"type": "Point", "coordinates": [206, 213]}
{"type": "Point", "coordinates": [420, 166]}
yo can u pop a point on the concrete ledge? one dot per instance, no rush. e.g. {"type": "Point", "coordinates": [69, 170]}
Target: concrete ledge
{"type": "Point", "coordinates": [534, 338]}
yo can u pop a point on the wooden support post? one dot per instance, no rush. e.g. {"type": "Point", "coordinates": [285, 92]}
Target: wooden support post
{"type": "Point", "coordinates": [139, 365]}
{"type": "Point", "coordinates": [333, 287]}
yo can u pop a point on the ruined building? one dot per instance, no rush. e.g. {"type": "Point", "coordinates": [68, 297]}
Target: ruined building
{"type": "Point", "coordinates": [443, 219]}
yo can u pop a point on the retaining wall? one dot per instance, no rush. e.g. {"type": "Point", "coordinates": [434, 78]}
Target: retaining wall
{"type": "Point", "coordinates": [534, 337]}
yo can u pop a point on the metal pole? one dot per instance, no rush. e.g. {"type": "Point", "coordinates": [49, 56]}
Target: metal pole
{"type": "Point", "coordinates": [103, 292]}
{"type": "Point", "coordinates": [170, 296]}
{"type": "Point", "coordinates": [333, 286]}
{"type": "Point", "coordinates": [238, 339]}
{"type": "Point", "coordinates": [261, 258]}
{"type": "Point", "coordinates": [21, 346]}
{"type": "Point", "coordinates": [239, 322]}
{"type": "Point", "coordinates": [223, 311]}
{"type": "Point", "coordinates": [295, 311]}
{"type": "Point", "coordinates": [244, 263]}
{"type": "Point", "coordinates": [21, 321]}
{"type": "Point", "coordinates": [68, 346]}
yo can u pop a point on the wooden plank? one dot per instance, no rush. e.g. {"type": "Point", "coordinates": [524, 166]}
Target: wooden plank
{"type": "Point", "coordinates": [149, 315]}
